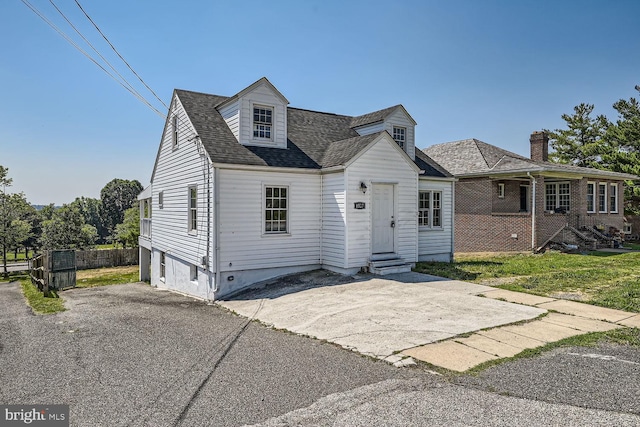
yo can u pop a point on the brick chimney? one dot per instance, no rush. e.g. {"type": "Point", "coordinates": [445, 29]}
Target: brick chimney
{"type": "Point", "coordinates": [539, 146]}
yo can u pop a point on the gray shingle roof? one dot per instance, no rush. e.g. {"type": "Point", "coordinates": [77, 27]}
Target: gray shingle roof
{"type": "Point", "coordinates": [473, 157]}
{"type": "Point", "coordinates": [315, 139]}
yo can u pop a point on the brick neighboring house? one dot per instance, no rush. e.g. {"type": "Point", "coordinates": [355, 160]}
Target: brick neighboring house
{"type": "Point", "coordinates": [497, 191]}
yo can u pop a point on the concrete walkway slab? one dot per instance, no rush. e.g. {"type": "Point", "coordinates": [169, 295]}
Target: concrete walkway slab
{"type": "Point", "coordinates": [450, 355]}
{"type": "Point", "coordinates": [632, 322]}
{"type": "Point", "coordinates": [543, 331]}
{"type": "Point", "coordinates": [489, 345]}
{"type": "Point", "coordinates": [580, 323]}
{"type": "Point", "coordinates": [378, 316]}
{"type": "Point", "coordinates": [511, 338]}
{"type": "Point", "coordinates": [436, 282]}
{"type": "Point", "coordinates": [585, 310]}
{"type": "Point", "coordinates": [517, 297]}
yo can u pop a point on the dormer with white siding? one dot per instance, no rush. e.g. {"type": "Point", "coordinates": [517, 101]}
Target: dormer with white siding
{"type": "Point", "coordinates": [395, 120]}
{"type": "Point", "coordinates": [257, 115]}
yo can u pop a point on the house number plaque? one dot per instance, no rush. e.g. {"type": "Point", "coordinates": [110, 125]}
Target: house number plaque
{"type": "Point", "coordinates": [359, 205]}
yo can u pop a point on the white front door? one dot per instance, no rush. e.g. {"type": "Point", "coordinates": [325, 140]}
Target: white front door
{"type": "Point", "coordinates": [382, 239]}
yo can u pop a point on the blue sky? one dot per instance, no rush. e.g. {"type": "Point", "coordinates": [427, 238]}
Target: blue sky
{"type": "Point", "coordinates": [491, 70]}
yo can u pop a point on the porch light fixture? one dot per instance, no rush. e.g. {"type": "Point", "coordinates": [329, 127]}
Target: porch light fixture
{"type": "Point", "coordinates": [363, 187]}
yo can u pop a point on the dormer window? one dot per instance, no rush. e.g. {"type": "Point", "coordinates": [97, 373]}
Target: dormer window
{"type": "Point", "coordinates": [174, 131]}
{"type": "Point", "coordinates": [262, 122]}
{"type": "Point", "coordinates": [400, 135]}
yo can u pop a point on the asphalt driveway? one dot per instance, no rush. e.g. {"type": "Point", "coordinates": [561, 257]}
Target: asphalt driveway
{"type": "Point", "coordinates": [377, 316]}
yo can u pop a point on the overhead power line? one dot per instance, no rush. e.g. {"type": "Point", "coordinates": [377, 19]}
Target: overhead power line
{"type": "Point", "coordinates": [70, 41]}
{"type": "Point", "coordinates": [120, 56]}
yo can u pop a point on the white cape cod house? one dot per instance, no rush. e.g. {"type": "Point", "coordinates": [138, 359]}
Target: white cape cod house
{"type": "Point", "coordinates": [245, 189]}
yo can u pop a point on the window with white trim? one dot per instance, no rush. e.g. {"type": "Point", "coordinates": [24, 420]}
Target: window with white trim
{"type": "Point", "coordinates": [400, 135]}
{"type": "Point", "coordinates": [193, 208]}
{"type": "Point", "coordinates": [162, 266]}
{"type": "Point", "coordinates": [501, 190]}
{"type": "Point", "coordinates": [194, 273]}
{"type": "Point", "coordinates": [613, 198]}
{"type": "Point", "coordinates": [591, 197]}
{"type": "Point", "coordinates": [602, 197]}
{"type": "Point", "coordinates": [626, 228]}
{"type": "Point", "coordinates": [430, 209]}
{"type": "Point", "coordinates": [161, 199]}
{"type": "Point", "coordinates": [276, 215]}
{"type": "Point", "coordinates": [557, 196]}
{"type": "Point", "coordinates": [262, 122]}
{"type": "Point", "coordinates": [174, 131]}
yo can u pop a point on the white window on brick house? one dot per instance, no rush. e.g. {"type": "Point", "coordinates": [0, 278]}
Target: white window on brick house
{"type": "Point", "coordinates": [557, 196]}
{"type": "Point", "coordinates": [591, 197]}
{"type": "Point", "coordinates": [193, 209]}
{"type": "Point", "coordinates": [262, 122]}
{"type": "Point", "coordinates": [613, 198]}
{"type": "Point", "coordinates": [400, 135]}
{"type": "Point", "coordinates": [501, 190]}
{"type": "Point", "coordinates": [430, 209]}
{"type": "Point", "coordinates": [276, 211]}
{"type": "Point", "coordinates": [627, 228]}
{"type": "Point", "coordinates": [602, 197]}
{"type": "Point", "coordinates": [162, 266]}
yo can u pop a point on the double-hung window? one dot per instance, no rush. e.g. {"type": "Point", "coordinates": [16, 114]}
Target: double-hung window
{"type": "Point", "coordinates": [262, 122]}
{"type": "Point", "coordinates": [276, 216]}
{"type": "Point", "coordinates": [602, 197]}
{"type": "Point", "coordinates": [591, 197]}
{"type": "Point", "coordinates": [400, 135]}
{"type": "Point", "coordinates": [557, 196]}
{"type": "Point", "coordinates": [193, 209]}
{"type": "Point", "coordinates": [430, 209]}
{"type": "Point", "coordinates": [613, 198]}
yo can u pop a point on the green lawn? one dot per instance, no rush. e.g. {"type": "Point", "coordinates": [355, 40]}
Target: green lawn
{"type": "Point", "coordinates": [40, 303]}
{"type": "Point", "coordinates": [604, 279]}
{"type": "Point", "coordinates": [11, 256]}
{"type": "Point", "coordinates": [106, 276]}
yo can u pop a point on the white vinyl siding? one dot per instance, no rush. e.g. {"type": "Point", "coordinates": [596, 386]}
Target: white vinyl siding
{"type": "Point", "coordinates": [602, 197]}
{"type": "Point", "coordinates": [175, 171]}
{"type": "Point", "coordinates": [263, 97]}
{"type": "Point", "coordinates": [231, 114]}
{"type": "Point", "coordinates": [333, 219]}
{"type": "Point", "coordinates": [613, 198]}
{"type": "Point", "coordinates": [400, 119]}
{"type": "Point", "coordinates": [382, 163]}
{"type": "Point", "coordinates": [243, 245]}
{"type": "Point", "coordinates": [591, 197]}
{"type": "Point", "coordinates": [435, 243]}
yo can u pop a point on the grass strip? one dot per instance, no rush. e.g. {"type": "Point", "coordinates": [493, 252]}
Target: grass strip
{"type": "Point", "coordinates": [39, 303]}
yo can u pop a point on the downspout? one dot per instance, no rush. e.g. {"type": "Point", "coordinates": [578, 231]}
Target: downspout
{"type": "Point", "coordinates": [533, 211]}
{"type": "Point", "coordinates": [216, 226]}
{"type": "Point", "coordinates": [453, 220]}
{"type": "Point", "coordinates": [321, 218]}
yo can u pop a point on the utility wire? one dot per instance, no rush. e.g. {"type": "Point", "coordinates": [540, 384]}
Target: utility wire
{"type": "Point", "coordinates": [96, 51]}
{"type": "Point", "coordinates": [120, 56]}
{"type": "Point", "coordinates": [70, 41]}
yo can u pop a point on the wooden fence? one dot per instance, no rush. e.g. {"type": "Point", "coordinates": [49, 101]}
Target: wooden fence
{"type": "Point", "coordinates": [54, 270]}
{"type": "Point", "coordinates": [106, 258]}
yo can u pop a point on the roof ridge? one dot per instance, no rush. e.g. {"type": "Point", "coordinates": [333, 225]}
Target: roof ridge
{"type": "Point", "coordinates": [319, 112]}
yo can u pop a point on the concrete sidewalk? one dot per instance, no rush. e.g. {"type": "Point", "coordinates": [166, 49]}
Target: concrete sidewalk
{"type": "Point", "coordinates": [572, 318]}
{"type": "Point", "coordinates": [377, 316]}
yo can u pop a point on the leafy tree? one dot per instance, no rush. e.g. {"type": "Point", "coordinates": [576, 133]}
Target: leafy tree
{"type": "Point", "coordinates": [117, 196]}
{"type": "Point", "coordinates": [127, 233]}
{"type": "Point", "coordinates": [583, 142]}
{"type": "Point", "coordinates": [91, 210]}
{"type": "Point", "coordinates": [624, 137]}
{"type": "Point", "coordinates": [14, 212]}
{"type": "Point", "coordinates": [67, 230]}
